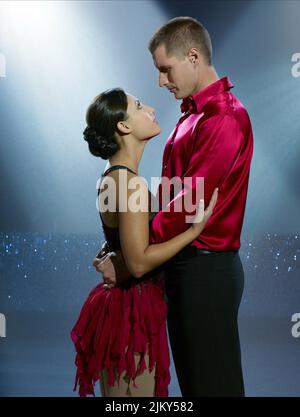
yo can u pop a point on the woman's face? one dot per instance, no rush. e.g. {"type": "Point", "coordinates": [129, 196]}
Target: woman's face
{"type": "Point", "coordinates": [142, 119]}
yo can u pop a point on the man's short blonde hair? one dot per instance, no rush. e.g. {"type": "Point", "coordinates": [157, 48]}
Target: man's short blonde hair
{"type": "Point", "coordinates": [181, 34]}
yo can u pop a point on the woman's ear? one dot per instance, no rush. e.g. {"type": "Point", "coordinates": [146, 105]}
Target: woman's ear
{"type": "Point", "coordinates": [124, 127]}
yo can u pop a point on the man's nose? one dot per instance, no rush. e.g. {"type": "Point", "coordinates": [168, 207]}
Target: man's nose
{"type": "Point", "coordinates": [163, 79]}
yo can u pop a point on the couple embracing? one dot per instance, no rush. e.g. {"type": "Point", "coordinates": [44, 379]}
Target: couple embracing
{"type": "Point", "coordinates": [164, 277]}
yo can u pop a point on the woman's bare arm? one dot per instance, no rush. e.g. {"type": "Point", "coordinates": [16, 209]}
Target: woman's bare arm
{"type": "Point", "coordinates": [139, 256]}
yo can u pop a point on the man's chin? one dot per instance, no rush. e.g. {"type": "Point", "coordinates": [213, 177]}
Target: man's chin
{"type": "Point", "coordinates": [177, 94]}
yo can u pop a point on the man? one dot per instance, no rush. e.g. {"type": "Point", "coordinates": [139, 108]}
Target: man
{"type": "Point", "coordinates": [204, 283]}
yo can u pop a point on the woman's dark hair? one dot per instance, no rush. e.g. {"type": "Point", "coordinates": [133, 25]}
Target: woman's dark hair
{"type": "Point", "coordinates": [102, 117]}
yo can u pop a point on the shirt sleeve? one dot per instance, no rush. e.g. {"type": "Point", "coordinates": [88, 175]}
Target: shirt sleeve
{"type": "Point", "coordinates": [215, 149]}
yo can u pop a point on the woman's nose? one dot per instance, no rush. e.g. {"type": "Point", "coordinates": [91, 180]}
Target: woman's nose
{"type": "Point", "coordinates": [150, 109]}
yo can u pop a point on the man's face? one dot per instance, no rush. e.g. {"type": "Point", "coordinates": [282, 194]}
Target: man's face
{"type": "Point", "coordinates": [177, 75]}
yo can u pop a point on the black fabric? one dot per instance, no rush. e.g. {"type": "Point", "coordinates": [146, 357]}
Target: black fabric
{"type": "Point", "coordinates": [203, 294]}
{"type": "Point", "coordinates": [114, 167]}
{"type": "Point", "coordinates": [112, 237]}
{"type": "Point", "coordinates": [112, 233]}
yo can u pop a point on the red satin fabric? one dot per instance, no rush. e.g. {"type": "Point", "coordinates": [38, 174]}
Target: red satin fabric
{"type": "Point", "coordinates": [213, 139]}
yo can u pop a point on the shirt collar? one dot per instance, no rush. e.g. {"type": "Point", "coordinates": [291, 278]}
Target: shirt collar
{"type": "Point", "coordinates": [197, 101]}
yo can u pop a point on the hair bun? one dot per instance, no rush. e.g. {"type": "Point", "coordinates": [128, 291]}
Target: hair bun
{"type": "Point", "coordinates": [100, 145]}
{"type": "Point", "coordinates": [92, 136]}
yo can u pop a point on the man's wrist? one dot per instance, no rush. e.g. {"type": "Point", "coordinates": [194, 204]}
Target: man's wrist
{"type": "Point", "coordinates": [103, 251]}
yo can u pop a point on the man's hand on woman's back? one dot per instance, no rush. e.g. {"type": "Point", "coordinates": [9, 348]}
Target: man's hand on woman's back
{"type": "Point", "coordinates": [113, 267]}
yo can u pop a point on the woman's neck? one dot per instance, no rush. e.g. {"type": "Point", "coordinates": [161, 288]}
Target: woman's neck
{"type": "Point", "coordinates": [128, 157]}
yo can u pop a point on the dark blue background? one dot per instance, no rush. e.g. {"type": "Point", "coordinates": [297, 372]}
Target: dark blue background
{"type": "Point", "coordinates": [60, 56]}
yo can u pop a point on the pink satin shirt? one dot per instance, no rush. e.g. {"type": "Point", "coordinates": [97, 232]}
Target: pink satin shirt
{"type": "Point", "coordinates": [213, 139]}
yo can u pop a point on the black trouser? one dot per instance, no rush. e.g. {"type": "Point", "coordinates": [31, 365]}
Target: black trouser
{"type": "Point", "coordinates": [204, 293]}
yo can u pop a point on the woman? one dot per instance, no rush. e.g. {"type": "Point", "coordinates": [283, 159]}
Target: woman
{"type": "Point", "coordinates": [120, 335]}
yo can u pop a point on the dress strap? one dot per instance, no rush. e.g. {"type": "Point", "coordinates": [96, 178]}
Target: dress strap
{"type": "Point", "coordinates": [115, 167]}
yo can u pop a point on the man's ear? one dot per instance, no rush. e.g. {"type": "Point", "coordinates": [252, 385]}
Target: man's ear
{"type": "Point", "coordinates": [193, 55]}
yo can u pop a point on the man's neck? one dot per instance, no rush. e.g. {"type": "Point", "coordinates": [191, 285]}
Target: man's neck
{"type": "Point", "coordinates": [208, 77]}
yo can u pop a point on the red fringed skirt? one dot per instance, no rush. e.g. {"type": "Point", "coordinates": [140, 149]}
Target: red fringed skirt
{"type": "Point", "coordinates": [113, 325]}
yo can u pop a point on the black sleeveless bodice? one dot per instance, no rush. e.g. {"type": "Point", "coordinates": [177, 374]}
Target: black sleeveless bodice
{"type": "Point", "coordinates": [112, 233]}
{"type": "Point", "coordinates": [113, 239]}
